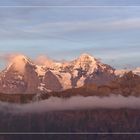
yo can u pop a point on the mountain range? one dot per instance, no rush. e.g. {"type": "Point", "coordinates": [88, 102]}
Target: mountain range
{"type": "Point", "coordinates": [26, 77]}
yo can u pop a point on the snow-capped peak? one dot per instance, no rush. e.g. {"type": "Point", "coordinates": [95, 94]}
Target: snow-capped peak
{"type": "Point", "coordinates": [86, 62]}
{"type": "Point", "coordinates": [20, 58]}
{"type": "Point", "coordinates": [18, 62]}
{"type": "Point", "coordinates": [86, 58]}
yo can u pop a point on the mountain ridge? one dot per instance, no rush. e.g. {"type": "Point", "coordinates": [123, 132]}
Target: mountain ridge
{"type": "Point", "coordinates": [25, 76]}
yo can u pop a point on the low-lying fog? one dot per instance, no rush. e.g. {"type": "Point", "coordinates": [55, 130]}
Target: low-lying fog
{"type": "Point", "coordinates": [73, 103]}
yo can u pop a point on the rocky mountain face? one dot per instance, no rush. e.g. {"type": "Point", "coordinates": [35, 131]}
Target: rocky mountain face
{"type": "Point", "coordinates": [127, 85]}
{"type": "Point", "coordinates": [24, 76]}
{"type": "Point", "coordinates": [19, 77]}
{"type": "Point", "coordinates": [87, 69]}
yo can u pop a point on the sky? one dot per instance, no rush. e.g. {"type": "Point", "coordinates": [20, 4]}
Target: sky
{"type": "Point", "coordinates": [62, 30]}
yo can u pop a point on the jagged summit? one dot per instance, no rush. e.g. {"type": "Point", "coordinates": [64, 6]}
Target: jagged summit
{"type": "Point", "coordinates": [86, 58]}
{"type": "Point", "coordinates": [86, 55]}
{"type": "Point", "coordinates": [86, 62]}
{"type": "Point", "coordinates": [20, 58]}
{"type": "Point", "coordinates": [18, 62]}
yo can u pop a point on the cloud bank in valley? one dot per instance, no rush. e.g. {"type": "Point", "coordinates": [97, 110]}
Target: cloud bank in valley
{"type": "Point", "coordinates": [73, 103]}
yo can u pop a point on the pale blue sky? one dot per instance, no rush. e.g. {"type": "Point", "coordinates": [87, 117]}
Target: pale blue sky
{"type": "Point", "coordinates": [110, 33]}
